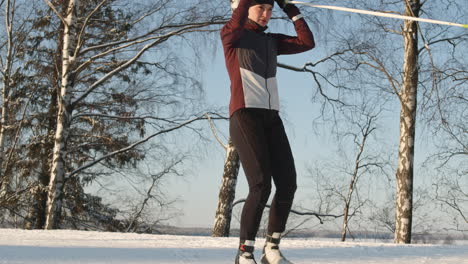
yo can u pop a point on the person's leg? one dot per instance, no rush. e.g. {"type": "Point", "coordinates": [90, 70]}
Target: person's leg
{"type": "Point", "coordinates": [247, 134]}
{"type": "Point", "coordinates": [284, 177]}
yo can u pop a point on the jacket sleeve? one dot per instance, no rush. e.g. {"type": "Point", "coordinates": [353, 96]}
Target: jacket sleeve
{"type": "Point", "coordinates": [232, 31]}
{"type": "Point", "coordinates": [304, 40]}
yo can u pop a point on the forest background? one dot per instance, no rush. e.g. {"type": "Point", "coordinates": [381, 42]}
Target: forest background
{"type": "Point", "coordinates": [105, 127]}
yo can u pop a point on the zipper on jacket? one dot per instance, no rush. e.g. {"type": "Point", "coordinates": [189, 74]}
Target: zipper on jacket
{"type": "Point", "coordinates": [266, 71]}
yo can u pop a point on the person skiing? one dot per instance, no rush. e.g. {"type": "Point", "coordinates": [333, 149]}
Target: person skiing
{"type": "Point", "coordinates": [255, 126]}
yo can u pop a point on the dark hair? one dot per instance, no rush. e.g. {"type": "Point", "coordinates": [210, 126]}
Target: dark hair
{"type": "Point", "coordinates": [259, 2]}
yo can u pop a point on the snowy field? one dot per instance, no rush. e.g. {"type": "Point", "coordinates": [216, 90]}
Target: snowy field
{"type": "Point", "coordinates": [73, 247]}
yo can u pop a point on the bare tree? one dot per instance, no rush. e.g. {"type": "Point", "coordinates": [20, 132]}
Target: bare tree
{"type": "Point", "coordinates": [227, 192]}
{"type": "Point", "coordinates": [6, 94]}
{"type": "Point", "coordinates": [373, 65]}
{"type": "Point", "coordinates": [136, 222]}
{"type": "Point", "coordinates": [16, 101]}
{"type": "Point", "coordinates": [452, 193]}
{"type": "Point", "coordinates": [408, 98]}
{"type": "Point", "coordinates": [104, 82]}
{"type": "Point", "coordinates": [81, 56]}
{"type": "Point", "coordinates": [360, 164]}
{"type": "Point", "coordinates": [11, 77]}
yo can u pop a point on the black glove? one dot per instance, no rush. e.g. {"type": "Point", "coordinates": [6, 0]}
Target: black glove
{"type": "Point", "coordinates": [283, 4]}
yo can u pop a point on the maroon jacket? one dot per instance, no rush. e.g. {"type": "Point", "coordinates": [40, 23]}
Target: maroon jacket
{"type": "Point", "coordinates": [251, 57]}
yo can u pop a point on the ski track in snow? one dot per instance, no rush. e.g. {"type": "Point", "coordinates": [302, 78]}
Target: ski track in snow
{"type": "Point", "coordinates": [73, 247]}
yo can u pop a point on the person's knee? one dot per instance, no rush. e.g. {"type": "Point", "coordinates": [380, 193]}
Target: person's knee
{"type": "Point", "coordinates": [287, 191]}
{"type": "Point", "coordinates": [292, 188]}
{"type": "Point", "coordinates": [261, 191]}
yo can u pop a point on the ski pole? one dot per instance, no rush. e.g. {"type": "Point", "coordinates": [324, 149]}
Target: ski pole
{"type": "Point", "coordinates": [374, 13]}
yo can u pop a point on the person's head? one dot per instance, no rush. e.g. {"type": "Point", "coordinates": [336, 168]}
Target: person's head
{"type": "Point", "coordinates": [260, 11]}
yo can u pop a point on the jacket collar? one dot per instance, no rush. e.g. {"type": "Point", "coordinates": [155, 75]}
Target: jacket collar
{"type": "Point", "coordinates": [251, 25]}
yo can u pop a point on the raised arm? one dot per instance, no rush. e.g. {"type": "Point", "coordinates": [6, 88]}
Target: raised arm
{"type": "Point", "coordinates": [303, 41]}
{"type": "Point", "coordinates": [232, 31]}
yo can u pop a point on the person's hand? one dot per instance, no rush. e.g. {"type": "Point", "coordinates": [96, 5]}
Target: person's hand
{"type": "Point", "coordinates": [290, 9]}
{"type": "Point", "coordinates": [284, 4]}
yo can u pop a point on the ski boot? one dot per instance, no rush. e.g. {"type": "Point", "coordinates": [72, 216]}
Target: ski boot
{"type": "Point", "coordinates": [245, 253]}
{"type": "Point", "coordinates": [271, 252]}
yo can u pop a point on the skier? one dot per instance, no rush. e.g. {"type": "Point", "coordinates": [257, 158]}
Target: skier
{"type": "Point", "coordinates": [255, 126]}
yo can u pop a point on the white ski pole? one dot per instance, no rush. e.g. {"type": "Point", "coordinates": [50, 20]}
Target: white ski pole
{"type": "Point", "coordinates": [374, 13]}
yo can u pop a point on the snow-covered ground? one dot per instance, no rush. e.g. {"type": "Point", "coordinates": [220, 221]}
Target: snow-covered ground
{"type": "Point", "coordinates": [72, 247]}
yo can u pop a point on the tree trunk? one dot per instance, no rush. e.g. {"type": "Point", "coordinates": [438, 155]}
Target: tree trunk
{"type": "Point", "coordinates": [4, 181]}
{"type": "Point", "coordinates": [408, 98]}
{"type": "Point", "coordinates": [44, 175]}
{"type": "Point", "coordinates": [227, 193]}
{"type": "Point", "coordinates": [357, 165]}
{"type": "Point", "coordinates": [37, 212]}
{"type": "Point", "coordinates": [57, 175]}
{"type": "Point", "coordinates": [4, 178]}
{"type": "Point", "coordinates": [344, 227]}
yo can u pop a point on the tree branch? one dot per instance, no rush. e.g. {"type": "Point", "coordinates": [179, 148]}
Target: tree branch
{"type": "Point", "coordinates": [314, 74]}
{"type": "Point", "coordinates": [56, 12]}
{"type": "Point", "coordinates": [132, 146]}
{"type": "Point", "coordinates": [318, 215]}
{"type": "Point", "coordinates": [135, 58]}
{"type": "Point", "coordinates": [213, 129]}
{"type": "Point", "coordinates": [79, 43]}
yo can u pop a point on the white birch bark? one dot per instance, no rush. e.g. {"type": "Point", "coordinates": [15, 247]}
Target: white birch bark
{"type": "Point", "coordinates": [408, 97]}
{"type": "Point", "coordinates": [57, 175]}
{"type": "Point", "coordinates": [6, 72]}
{"type": "Point", "coordinates": [227, 193]}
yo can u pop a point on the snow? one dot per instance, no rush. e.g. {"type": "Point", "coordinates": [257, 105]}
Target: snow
{"type": "Point", "coordinates": [73, 247]}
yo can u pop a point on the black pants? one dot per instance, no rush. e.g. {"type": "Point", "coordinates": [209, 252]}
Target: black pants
{"type": "Point", "coordinates": [265, 154]}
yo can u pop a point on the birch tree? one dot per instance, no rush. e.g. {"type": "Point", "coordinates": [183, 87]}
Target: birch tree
{"type": "Point", "coordinates": [8, 86]}
{"type": "Point", "coordinates": [15, 100]}
{"type": "Point", "coordinates": [43, 53]}
{"type": "Point", "coordinates": [408, 101]}
{"type": "Point", "coordinates": [57, 176]}
{"type": "Point", "coordinates": [6, 73]}
{"type": "Point", "coordinates": [395, 60]}
{"type": "Point", "coordinates": [90, 61]}
{"type": "Point", "coordinates": [418, 73]}
{"type": "Point", "coordinates": [227, 192]}
{"type": "Point", "coordinates": [360, 165]}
